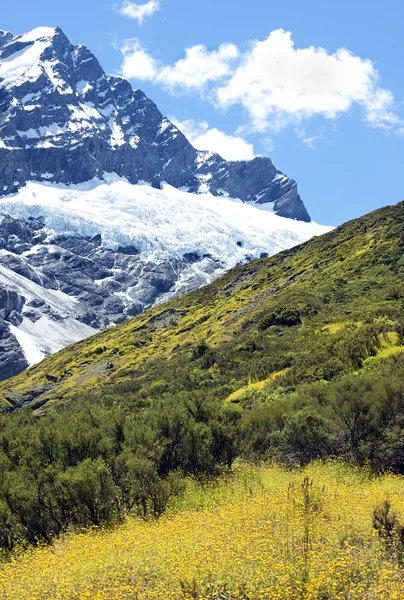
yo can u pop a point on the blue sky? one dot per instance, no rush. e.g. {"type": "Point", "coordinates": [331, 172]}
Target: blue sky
{"type": "Point", "coordinates": [317, 86]}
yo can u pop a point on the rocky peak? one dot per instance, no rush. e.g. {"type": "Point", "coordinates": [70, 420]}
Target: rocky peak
{"type": "Point", "coordinates": [63, 120]}
{"type": "Point", "coordinates": [5, 37]}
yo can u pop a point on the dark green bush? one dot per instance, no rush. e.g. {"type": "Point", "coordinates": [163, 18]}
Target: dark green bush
{"type": "Point", "coordinates": [285, 315]}
{"type": "Point", "coordinates": [199, 350]}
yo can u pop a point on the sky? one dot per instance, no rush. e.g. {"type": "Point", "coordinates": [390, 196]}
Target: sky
{"type": "Point", "coordinates": [316, 85]}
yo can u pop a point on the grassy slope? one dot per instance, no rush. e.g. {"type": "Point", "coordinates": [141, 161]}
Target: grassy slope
{"type": "Point", "coordinates": [338, 281]}
{"type": "Point", "coordinates": [249, 535]}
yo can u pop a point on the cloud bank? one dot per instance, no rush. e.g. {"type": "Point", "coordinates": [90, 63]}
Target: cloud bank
{"type": "Point", "coordinates": [274, 82]}
{"type": "Point", "coordinates": [198, 68]}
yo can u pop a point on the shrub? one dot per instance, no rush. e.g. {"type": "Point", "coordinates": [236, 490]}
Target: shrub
{"type": "Point", "coordinates": [150, 492]}
{"type": "Point", "coordinates": [285, 315]}
{"type": "Point", "coordinates": [199, 350]}
{"type": "Point", "coordinates": [390, 529]}
{"type": "Point", "coordinates": [91, 491]}
{"type": "Point", "coordinates": [306, 436]}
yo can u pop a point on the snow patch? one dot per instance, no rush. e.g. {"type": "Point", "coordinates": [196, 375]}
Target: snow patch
{"type": "Point", "coordinates": [46, 336]}
{"type": "Point", "coordinates": [165, 124]}
{"type": "Point", "coordinates": [83, 87]}
{"type": "Point", "coordinates": [29, 133]}
{"type": "Point", "coordinates": [28, 345]}
{"type": "Point", "coordinates": [23, 65]}
{"type": "Point", "coordinates": [117, 135]}
{"type": "Point", "coordinates": [45, 144]}
{"type": "Point", "coordinates": [37, 34]}
{"type": "Point", "coordinates": [55, 299]}
{"type": "Point", "coordinates": [134, 141]}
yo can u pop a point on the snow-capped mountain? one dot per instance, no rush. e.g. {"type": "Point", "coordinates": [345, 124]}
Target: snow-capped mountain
{"type": "Point", "coordinates": [62, 119]}
{"type": "Point", "coordinates": [106, 208]}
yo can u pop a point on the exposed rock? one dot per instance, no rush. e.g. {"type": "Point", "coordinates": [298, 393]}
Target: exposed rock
{"type": "Point", "coordinates": [12, 359]}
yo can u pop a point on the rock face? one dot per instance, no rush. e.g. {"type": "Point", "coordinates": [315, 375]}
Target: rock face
{"type": "Point", "coordinates": [12, 358]}
{"type": "Point", "coordinates": [63, 120]}
{"type": "Point", "coordinates": [58, 290]}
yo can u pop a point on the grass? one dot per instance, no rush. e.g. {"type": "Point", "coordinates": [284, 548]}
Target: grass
{"type": "Point", "coordinates": [257, 385]}
{"type": "Point", "coordinates": [335, 327]}
{"type": "Point", "coordinates": [389, 345]}
{"type": "Point", "coordinates": [262, 533]}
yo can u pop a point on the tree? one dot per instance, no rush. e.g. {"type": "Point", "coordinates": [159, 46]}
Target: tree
{"type": "Point", "coordinates": [91, 491]}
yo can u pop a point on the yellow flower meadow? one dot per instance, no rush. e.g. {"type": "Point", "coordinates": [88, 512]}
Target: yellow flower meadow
{"type": "Point", "coordinates": [263, 533]}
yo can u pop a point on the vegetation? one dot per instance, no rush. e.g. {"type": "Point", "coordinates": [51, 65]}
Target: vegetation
{"type": "Point", "coordinates": [96, 460]}
{"type": "Point", "coordinates": [284, 315]}
{"type": "Point", "coordinates": [262, 533]}
{"type": "Point", "coordinates": [289, 359]}
{"type": "Point", "coordinates": [91, 463]}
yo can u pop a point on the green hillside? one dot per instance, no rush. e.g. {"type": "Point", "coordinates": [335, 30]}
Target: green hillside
{"type": "Point", "coordinates": [292, 358]}
{"type": "Point", "coordinates": [344, 290]}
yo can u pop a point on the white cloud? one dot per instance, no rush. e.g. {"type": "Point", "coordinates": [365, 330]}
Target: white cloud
{"type": "Point", "coordinates": [137, 64]}
{"type": "Point", "coordinates": [230, 147]}
{"type": "Point", "coordinates": [308, 140]}
{"type": "Point", "coordinates": [198, 67]}
{"type": "Point", "coordinates": [277, 83]}
{"type": "Point", "coordinates": [267, 144]}
{"type": "Point", "coordinates": [380, 109]}
{"type": "Point", "coordinates": [193, 72]}
{"type": "Point", "coordinates": [139, 12]}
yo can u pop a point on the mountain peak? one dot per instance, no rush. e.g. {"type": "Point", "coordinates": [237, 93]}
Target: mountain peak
{"type": "Point", "coordinates": [5, 37]}
{"type": "Point", "coordinates": [40, 33]}
{"type": "Point", "coordinates": [63, 120]}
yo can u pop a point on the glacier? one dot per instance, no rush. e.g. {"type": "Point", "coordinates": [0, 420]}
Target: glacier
{"type": "Point", "coordinates": [161, 223]}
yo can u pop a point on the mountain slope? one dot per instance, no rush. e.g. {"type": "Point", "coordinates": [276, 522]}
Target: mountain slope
{"type": "Point", "coordinates": [292, 358]}
{"type": "Point", "coordinates": [310, 313]}
{"type": "Point", "coordinates": [80, 258]}
{"type": "Point", "coordinates": [63, 120]}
